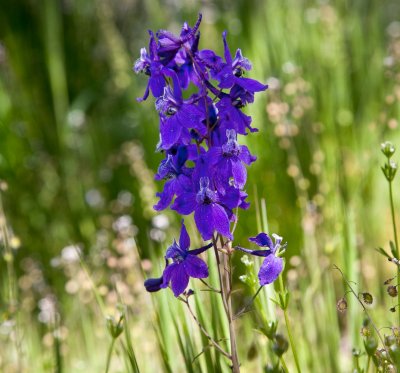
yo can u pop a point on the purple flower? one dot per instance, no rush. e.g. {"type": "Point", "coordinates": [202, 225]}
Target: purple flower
{"type": "Point", "coordinates": [228, 161]}
{"type": "Point", "coordinates": [231, 117]}
{"type": "Point", "coordinates": [185, 264]}
{"type": "Point", "coordinates": [204, 166]}
{"type": "Point", "coordinates": [211, 209]}
{"type": "Point", "coordinates": [177, 117]}
{"type": "Point", "coordinates": [177, 175]}
{"type": "Point", "coordinates": [232, 72]}
{"type": "Point", "coordinates": [272, 265]}
{"type": "Point", "coordinates": [170, 44]}
{"type": "Point", "coordinates": [151, 66]}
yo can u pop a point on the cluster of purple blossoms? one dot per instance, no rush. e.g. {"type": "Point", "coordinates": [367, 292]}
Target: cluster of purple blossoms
{"type": "Point", "coordinates": [204, 167]}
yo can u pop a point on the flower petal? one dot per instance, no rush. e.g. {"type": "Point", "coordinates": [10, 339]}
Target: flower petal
{"type": "Point", "coordinates": [179, 280]}
{"type": "Point", "coordinates": [173, 251]}
{"type": "Point", "coordinates": [170, 131]}
{"type": "Point", "coordinates": [239, 173]}
{"type": "Point", "coordinates": [203, 216]}
{"type": "Point", "coordinates": [231, 199]}
{"type": "Point", "coordinates": [157, 83]}
{"type": "Point", "coordinates": [251, 85]}
{"type": "Point", "coordinates": [245, 155]}
{"type": "Point", "coordinates": [200, 249]}
{"type": "Point", "coordinates": [153, 284]}
{"type": "Point", "coordinates": [167, 274]}
{"type": "Point", "coordinates": [185, 203]}
{"type": "Point", "coordinates": [227, 52]}
{"type": "Point", "coordinates": [184, 239]}
{"type": "Point", "coordinates": [195, 267]}
{"type": "Point", "coordinates": [270, 270]}
{"type": "Point", "coordinates": [262, 240]}
{"type": "Point", "coordinates": [263, 253]}
{"type": "Point", "coordinates": [221, 221]}
{"type": "Point", "coordinates": [166, 195]}
{"type": "Point", "coordinates": [189, 116]}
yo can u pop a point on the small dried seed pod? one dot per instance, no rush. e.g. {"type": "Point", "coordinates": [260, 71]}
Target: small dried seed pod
{"type": "Point", "coordinates": [341, 305]}
{"type": "Point", "coordinates": [392, 291]}
{"type": "Point", "coordinates": [367, 298]}
{"type": "Point", "coordinates": [365, 332]}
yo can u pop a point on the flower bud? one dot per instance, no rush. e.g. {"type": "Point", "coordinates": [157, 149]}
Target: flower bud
{"type": "Point", "coordinates": [269, 330]}
{"type": "Point", "coordinates": [281, 345]}
{"type": "Point", "coordinates": [248, 280]}
{"type": "Point", "coordinates": [188, 293]}
{"type": "Point", "coordinates": [392, 290]}
{"type": "Point", "coordinates": [389, 170]}
{"type": "Point", "coordinates": [115, 328]}
{"type": "Point", "coordinates": [370, 345]}
{"type": "Point", "coordinates": [245, 260]}
{"type": "Point", "coordinates": [388, 149]}
{"type": "Point", "coordinates": [390, 340]}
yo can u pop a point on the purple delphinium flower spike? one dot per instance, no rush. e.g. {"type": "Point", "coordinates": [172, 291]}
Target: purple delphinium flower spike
{"type": "Point", "coordinates": [204, 166]}
{"type": "Point", "coordinates": [272, 265]}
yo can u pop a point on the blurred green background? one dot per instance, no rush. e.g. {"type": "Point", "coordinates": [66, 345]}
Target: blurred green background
{"type": "Point", "coordinates": [77, 161]}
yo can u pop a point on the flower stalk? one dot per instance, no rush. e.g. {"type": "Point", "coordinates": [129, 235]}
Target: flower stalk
{"type": "Point", "coordinates": [284, 302]}
{"type": "Point", "coordinates": [205, 166]}
{"type": "Point", "coordinates": [229, 313]}
{"type": "Point", "coordinates": [389, 170]}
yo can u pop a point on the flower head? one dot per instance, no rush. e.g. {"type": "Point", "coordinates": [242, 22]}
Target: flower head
{"type": "Point", "coordinates": [181, 264]}
{"type": "Point", "coordinates": [272, 265]}
{"type": "Point", "coordinates": [212, 210]}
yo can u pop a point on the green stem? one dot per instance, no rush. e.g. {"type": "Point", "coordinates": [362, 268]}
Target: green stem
{"type": "Point", "coordinates": [110, 350]}
{"type": "Point", "coordinates": [365, 311]}
{"type": "Point", "coordinates": [395, 235]}
{"type": "Point", "coordinates": [368, 363]}
{"type": "Point", "coordinates": [289, 331]}
{"type": "Point", "coordinates": [204, 331]}
{"type": "Point", "coordinates": [284, 366]}
{"type": "Point", "coordinates": [225, 278]}
{"type": "Point", "coordinates": [393, 218]}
